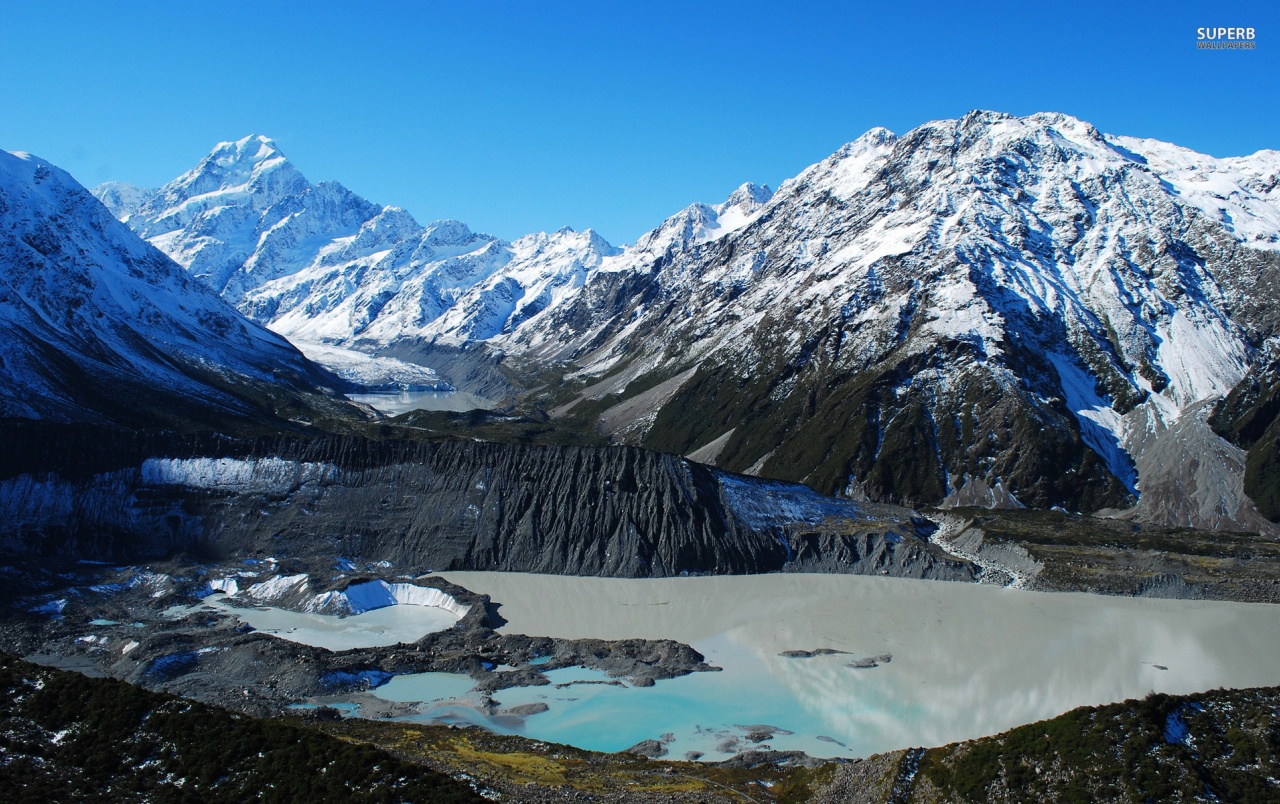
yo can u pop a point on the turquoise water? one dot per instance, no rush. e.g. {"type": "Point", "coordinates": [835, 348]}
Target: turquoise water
{"type": "Point", "coordinates": [426, 687]}
{"type": "Point", "coordinates": [967, 660]}
{"type": "Point", "coordinates": [703, 712]}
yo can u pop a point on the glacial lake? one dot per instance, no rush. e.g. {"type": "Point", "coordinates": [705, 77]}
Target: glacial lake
{"type": "Point", "coordinates": [405, 401]}
{"type": "Point", "coordinates": [967, 660]}
{"type": "Point", "coordinates": [388, 625]}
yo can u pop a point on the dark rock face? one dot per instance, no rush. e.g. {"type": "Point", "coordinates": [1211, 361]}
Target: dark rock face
{"type": "Point", "coordinates": [610, 511]}
{"type": "Point", "coordinates": [1250, 418]}
{"type": "Point", "coordinates": [652, 749]}
{"type": "Point", "coordinates": [899, 439]}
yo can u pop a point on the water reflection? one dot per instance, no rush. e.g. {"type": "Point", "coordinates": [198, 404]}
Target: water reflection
{"type": "Point", "coordinates": [966, 661]}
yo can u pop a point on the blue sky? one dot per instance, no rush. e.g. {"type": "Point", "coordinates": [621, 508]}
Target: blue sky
{"type": "Point", "coordinates": [524, 116]}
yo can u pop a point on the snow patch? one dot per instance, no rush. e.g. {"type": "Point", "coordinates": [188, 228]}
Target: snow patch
{"type": "Point", "coordinates": [227, 586]}
{"type": "Point", "coordinates": [278, 587]}
{"type": "Point", "coordinates": [373, 374]}
{"type": "Point", "coordinates": [1100, 426]}
{"type": "Point", "coordinates": [362, 597]}
{"type": "Point", "coordinates": [52, 607]}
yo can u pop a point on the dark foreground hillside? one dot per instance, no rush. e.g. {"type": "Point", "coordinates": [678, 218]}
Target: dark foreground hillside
{"type": "Point", "coordinates": [66, 737]}
{"type": "Point", "coordinates": [1219, 746]}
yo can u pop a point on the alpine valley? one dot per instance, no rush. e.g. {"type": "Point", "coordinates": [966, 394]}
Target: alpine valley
{"type": "Point", "coordinates": [995, 310]}
{"type": "Point", "coordinates": [274, 447]}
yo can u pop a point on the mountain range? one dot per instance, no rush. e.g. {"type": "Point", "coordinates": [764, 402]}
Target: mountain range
{"type": "Point", "coordinates": [97, 326]}
{"type": "Point", "coordinates": [994, 310]}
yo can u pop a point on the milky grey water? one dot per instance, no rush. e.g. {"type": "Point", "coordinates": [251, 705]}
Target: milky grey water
{"type": "Point", "coordinates": [405, 401]}
{"type": "Point", "coordinates": [967, 660]}
{"type": "Point", "coordinates": [389, 625]}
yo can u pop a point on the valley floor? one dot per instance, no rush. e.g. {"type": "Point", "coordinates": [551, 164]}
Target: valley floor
{"type": "Point", "coordinates": [95, 739]}
{"type": "Point", "coordinates": [836, 666]}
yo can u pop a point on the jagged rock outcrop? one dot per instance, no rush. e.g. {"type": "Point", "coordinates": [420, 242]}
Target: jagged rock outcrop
{"type": "Point", "coordinates": [615, 511]}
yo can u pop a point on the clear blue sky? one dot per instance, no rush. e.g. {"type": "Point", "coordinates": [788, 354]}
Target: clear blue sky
{"type": "Point", "coordinates": [524, 116]}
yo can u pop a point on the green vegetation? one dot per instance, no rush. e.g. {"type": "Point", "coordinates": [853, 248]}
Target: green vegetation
{"type": "Point", "coordinates": [1220, 746]}
{"type": "Point", "coordinates": [513, 765]}
{"type": "Point", "coordinates": [71, 738]}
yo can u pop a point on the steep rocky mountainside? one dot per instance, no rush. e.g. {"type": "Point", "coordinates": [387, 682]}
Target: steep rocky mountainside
{"type": "Point", "coordinates": [1019, 303]}
{"type": "Point", "coordinates": [1250, 418]}
{"type": "Point", "coordinates": [615, 511]}
{"type": "Point", "coordinates": [98, 326]}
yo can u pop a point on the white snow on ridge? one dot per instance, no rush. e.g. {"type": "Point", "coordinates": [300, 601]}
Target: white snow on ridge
{"type": "Point", "coordinates": [320, 265]}
{"type": "Point", "coordinates": [1243, 192]}
{"type": "Point", "coordinates": [80, 282]}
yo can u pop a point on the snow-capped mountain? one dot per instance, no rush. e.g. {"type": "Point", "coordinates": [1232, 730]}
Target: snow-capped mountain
{"type": "Point", "coordinates": [320, 264]}
{"type": "Point", "coordinates": [1025, 305]}
{"type": "Point", "coordinates": [1022, 303]}
{"type": "Point", "coordinates": [98, 326]}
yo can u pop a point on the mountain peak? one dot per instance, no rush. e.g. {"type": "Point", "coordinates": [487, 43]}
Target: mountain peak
{"type": "Point", "coordinates": [875, 139]}
{"type": "Point", "coordinates": [254, 148]}
{"type": "Point", "coordinates": [121, 198]}
{"type": "Point", "coordinates": [597, 242]}
{"type": "Point", "coordinates": [749, 195]}
{"type": "Point", "coordinates": [235, 164]}
{"type": "Point", "coordinates": [1001, 125]}
{"type": "Point", "coordinates": [119, 315]}
{"type": "Point", "coordinates": [250, 170]}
